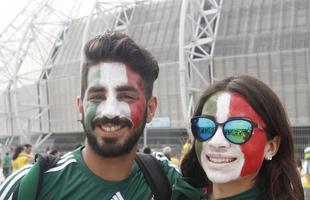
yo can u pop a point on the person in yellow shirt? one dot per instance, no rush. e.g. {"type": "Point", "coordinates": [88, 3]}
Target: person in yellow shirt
{"type": "Point", "coordinates": [305, 179]}
{"type": "Point", "coordinates": [22, 156]}
{"type": "Point", "coordinates": [185, 148]}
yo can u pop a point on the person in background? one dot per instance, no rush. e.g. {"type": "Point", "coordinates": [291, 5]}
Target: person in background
{"type": "Point", "coordinates": [47, 150]}
{"type": "Point", "coordinates": [6, 164]}
{"type": "Point", "coordinates": [54, 152]}
{"type": "Point", "coordinates": [28, 149]}
{"type": "Point", "coordinates": [147, 150]}
{"type": "Point", "coordinates": [167, 151]}
{"type": "Point", "coordinates": [243, 147]}
{"type": "Point", "coordinates": [17, 163]}
{"type": "Point", "coordinates": [27, 152]}
{"type": "Point", "coordinates": [185, 148]}
{"type": "Point", "coordinates": [306, 173]}
{"type": "Point", "coordinates": [22, 156]}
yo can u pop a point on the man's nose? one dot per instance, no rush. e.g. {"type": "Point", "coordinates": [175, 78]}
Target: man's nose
{"type": "Point", "coordinates": [110, 108]}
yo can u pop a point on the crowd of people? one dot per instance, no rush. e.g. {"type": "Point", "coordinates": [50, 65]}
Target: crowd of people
{"type": "Point", "coordinates": [19, 157]}
{"type": "Point", "coordinates": [242, 147]}
{"type": "Point", "coordinates": [13, 161]}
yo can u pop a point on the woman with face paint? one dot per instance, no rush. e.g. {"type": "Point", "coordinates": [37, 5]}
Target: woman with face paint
{"type": "Point", "coordinates": [243, 147]}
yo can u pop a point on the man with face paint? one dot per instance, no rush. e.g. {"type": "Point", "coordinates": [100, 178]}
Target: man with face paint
{"type": "Point", "coordinates": [243, 147]}
{"type": "Point", "coordinates": [116, 102]}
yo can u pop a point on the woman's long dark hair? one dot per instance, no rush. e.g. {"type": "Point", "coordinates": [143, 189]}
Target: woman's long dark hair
{"type": "Point", "coordinates": [277, 179]}
{"type": "Point", "coordinates": [17, 151]}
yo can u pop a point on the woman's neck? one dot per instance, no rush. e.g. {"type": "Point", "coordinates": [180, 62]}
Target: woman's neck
{"type": "Point", "coordinates": [221, 190]}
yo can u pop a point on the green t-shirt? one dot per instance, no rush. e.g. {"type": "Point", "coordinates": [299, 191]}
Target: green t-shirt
{"type": "Point", "coordinates": [71, 179]}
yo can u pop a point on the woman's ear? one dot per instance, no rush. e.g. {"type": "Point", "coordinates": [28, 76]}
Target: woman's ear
{"type": "Point", "coordinates": [271, 147]}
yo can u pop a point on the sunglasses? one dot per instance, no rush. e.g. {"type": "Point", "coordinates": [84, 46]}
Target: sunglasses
{"type": "Point", "coordinates": [236, 130]}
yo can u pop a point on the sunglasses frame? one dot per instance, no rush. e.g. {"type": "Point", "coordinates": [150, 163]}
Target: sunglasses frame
{"type": "Point", "coordinates": [217, 124]}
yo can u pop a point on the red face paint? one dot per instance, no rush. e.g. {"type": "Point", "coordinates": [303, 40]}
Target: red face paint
{"type": "Point", "coordinates": [137, 107]}
{"type": "Point", "coordinates": [253, 149]}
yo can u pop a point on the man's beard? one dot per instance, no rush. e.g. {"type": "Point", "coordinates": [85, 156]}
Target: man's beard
{"type": "Point", "coordinates": [110, 148]}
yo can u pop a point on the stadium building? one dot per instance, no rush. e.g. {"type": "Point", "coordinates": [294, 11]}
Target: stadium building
{"type": "Point", "coordinates": [196, 42]}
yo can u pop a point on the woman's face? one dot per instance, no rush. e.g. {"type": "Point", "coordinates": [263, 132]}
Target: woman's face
{"type": "Point", "coordinates": [222, 160]}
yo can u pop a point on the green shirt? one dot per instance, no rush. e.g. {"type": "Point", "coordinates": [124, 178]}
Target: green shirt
{"type": "Point", "coordinates": [6, 162]}
{"type": "Point", "coordinates": [71, 179]}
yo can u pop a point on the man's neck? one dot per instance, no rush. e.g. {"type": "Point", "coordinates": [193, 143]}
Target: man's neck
{"type": "Point", "coordinates": [111, 169]}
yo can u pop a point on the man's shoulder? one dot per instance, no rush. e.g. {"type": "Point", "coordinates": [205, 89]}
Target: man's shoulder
{"type": "Point", "coordinates": [11, 183]}
{"type": "Point", "coordinates": [63, 162]}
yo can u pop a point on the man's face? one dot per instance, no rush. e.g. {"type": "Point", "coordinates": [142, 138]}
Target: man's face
{"type": "Point", "coordinates": [114, 109]}
{"type": "Point", "coordinates": [28, 149]}
{"type": "Point", "coordinates": [222, 160]}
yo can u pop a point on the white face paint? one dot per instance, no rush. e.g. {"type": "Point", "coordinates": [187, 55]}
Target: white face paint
{"type": "Point", "coordinates": [221, 160]}
{"type": "Point", "coordinates": [112, 75]}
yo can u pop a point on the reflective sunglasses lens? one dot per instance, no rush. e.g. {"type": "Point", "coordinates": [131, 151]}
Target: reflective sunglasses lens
{"type": "Point", "coordinates": [238, 131]}
{"type": "Point", "coordinates": [203, 128]}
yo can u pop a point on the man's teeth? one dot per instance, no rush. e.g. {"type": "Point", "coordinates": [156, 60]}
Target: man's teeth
{"type": "Point", "coordinates": [111, 128]}
{"type": "Point", "coordinates": [220, 160]}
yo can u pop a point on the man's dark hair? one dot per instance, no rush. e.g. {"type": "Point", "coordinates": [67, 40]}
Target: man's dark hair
{"type": "Point", "coordinates": [27, 145]}
{"type": "Point", "coordinates": [118, 47]}
{"type": "Point", "coordinates": [147, 150]}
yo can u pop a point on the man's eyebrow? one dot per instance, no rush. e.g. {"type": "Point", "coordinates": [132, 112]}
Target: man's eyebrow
{"type": "Point", "coordinates": [97, 89]}
{"type": "Point", "coordinates": [125, 88]}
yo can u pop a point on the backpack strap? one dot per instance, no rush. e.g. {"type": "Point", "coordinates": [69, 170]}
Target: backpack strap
{"type": "Point", "coordinates": [155, 176]}
{"type": "Point", "coordinates": [30, 185]}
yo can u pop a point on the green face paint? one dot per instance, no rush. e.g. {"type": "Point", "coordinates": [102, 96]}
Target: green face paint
{"type": "Point", "coordinates": [90, 113]}
{"type": "Point", "coordinates": [209, 108]}
{"type": "Point", "coordinates": [114, 99]}
{"type": "Point", "coordinates": [89, 106]}
{"type": "Point", "coordinates": [93, 76]}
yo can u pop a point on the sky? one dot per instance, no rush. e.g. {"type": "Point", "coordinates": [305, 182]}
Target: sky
{"type": "Point", "coordinates": [8, 10]}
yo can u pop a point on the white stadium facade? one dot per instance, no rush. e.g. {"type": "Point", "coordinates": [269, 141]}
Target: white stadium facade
{"type": "Point", "coordinates": [196, 42]}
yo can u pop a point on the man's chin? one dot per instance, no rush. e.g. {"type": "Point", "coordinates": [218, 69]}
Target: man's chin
{"type": "Point", "coordinates": [108, 147]}
{"type": "Point", "coordinates": [109, 141]}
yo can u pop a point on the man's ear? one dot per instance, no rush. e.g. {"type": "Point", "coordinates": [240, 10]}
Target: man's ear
{"type": "Point", "coordinates": [79, 103]}
{"type": "Point", "coordinates": [271, 147]}
{"type": "Point", "coordinates": [151, 108]}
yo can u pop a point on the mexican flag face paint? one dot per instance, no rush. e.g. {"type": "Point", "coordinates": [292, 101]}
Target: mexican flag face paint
{"type": "Point", "coordinates": [224, 161]}
{"type": "Point", "coordinates": [114, 90]}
